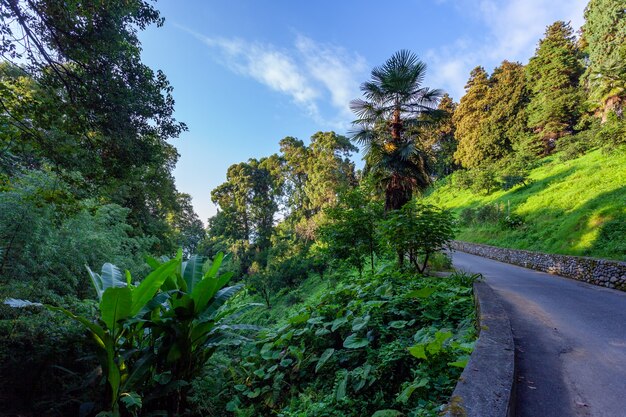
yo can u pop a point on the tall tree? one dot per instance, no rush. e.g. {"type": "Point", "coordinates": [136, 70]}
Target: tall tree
{"type": "Point", "coordinates": [553, 75]}
{"type": "Point", "coordinates": [388, 126]}
{"type": "Point", "coordinates": [94, 107]}
{"type": "Point", "coordinates": [329, 169]}
{"type": "Point", "coordinates": [491, 118]}
{"type": "Point", "coordinates": [439, 139]}
{"type": "Point", "coordinates": [248, 202]}
{"type": "Point", "coordinates": [505, 125]}
{"type": "Point", "coordinates": [470, 117]}
{"type": "Point", "coordinates": [313, 176]}
{"type": "Point", "coordinates": [604, 38]}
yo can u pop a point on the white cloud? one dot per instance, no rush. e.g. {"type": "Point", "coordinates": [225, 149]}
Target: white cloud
{"type": "Point", "coordinates": [310, 73]}
{"type": "Point", "coordinates": [335, 68]}
{"type": "Point", "coordinates": [514, 28]}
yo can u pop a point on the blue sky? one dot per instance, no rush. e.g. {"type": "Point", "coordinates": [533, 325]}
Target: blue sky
{"type": "Point", "coordinates": [247, 73]}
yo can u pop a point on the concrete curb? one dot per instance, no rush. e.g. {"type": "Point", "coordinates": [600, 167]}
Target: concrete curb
{"type": "Point", "coordinates": [486, 387]}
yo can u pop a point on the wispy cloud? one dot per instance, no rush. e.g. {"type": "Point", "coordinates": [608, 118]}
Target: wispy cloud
{"type": "Point", "coordinates": [514, 28]}
{"type": "Point", "coordinates": [310, 73]}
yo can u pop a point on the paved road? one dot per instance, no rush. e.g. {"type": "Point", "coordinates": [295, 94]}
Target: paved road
{"type": "Point", "coordinates": [570, 340]}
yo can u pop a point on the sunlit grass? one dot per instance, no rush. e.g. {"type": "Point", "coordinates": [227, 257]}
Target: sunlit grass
{"type": "Point", "coordinates": [576, 207]}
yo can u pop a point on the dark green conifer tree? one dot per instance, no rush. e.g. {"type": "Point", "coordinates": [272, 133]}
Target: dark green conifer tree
{"type": "Point", "coordinates": [505, 126]}
{"type": "Point", "coordinates": [439, 140]}
{"type": "Point", "coordinates": [469, 118]}
{"type": "Point", "coordinates": [604, 40]}
{"type": "Point", "coordinates": [490, 118]}
{"type": "Point", "coordinates": [553, 75]}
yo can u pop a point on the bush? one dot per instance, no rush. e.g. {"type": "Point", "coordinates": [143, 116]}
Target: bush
{"type": "Point", "coordinates": [467, 216]}
{"type": "Point", "coordinates": [485, 179]}
{"type": "Point", "coordinates": [512, 221]}
{"type": "Point", "coordinates": [510, 181]}
{"type": "Point", "coordinates": [573, 146]}
{"type": "Point", "coordinates": [440, 262]}
{"type": "Point", "coordinates": [489, 213]}
{"type": "Point", "coordinates": [462, 179]}
{"type": "Point", "coordinates": [418, 230]}
{"type": "Point", "coordinates": [612, 133]}
{"type": "Point", "coordinates": [183, 308]}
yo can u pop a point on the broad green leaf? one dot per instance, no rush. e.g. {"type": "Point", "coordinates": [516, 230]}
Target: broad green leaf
{"type": "Point", "coordinates": [131, 400]}
{"type": "Point", "coordinates": [98, 332]}
{"type": "Point", "coordinates": [360, 322]}
{"type": "Point", "coordinates": [16, 303]}
{"type": "Point", "coordinates": [341, 388]}
{"type": "Point", "coordinates": [153, 263]}
{"type": "Point", "coordinates": [398, 324]}
{"type": "Point", "coordinates": [338, 323]}
{"type": "Point", "coordinates": [215, 266]}
{"type": "Point", "coordinates": [151, 284]}
{"type": "Point", "coordinates": [324, 358]}
{"type": "Point", "coordinates": [408, 391]}
{"type": "Point", "coordinates": [387, 413]}
{"type": "Point", "coordinates": [300, 318]}
{"type": "Point", "coordinates": [111, 277]}
{"type": "Point", "coordinates": [418, 351]}
{"type": "Point", "coordinates": [355, 342]}
{"type": "Point", "coordinates": [140, 369]}
{"type": "Point", "coordinates": [96, 281]}
{"type": "Point", "coordinates": [220, 298]}
{"type": "Point", "coordinates": [421, 293]}
{"type": "Point", "coordinates": [115, 305]}
{"type": "Point", "coordinates": [460, 363]}
{"type": "Point", "coordinates": [204, 290]}
{"type": "Point", "coordinates": [192, 272]}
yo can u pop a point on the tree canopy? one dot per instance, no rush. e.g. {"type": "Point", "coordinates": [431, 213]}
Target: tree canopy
{"type": "Point", "coordinates": [389, 121]}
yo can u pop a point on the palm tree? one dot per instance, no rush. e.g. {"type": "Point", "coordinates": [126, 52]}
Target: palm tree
{"type": "Point", "coordinates": [394, 109]}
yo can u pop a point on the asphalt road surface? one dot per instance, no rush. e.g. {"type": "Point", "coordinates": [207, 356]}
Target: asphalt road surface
{"type": "Point", "coordinates": [570, 340]}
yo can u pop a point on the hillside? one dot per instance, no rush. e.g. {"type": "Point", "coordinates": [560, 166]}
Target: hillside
{"type": "Point", "coordinates": [575, 207]}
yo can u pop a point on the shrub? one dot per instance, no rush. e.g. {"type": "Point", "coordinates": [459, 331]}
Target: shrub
{"type": "Point", "coordinates": [612, 133]}
{"type": "Point", "coordinates": [510, 181]}
{"type": "Point", "coordinates": [485, 179]}
{"type": "Point", "coordinates": [440, 262]}
{"type": "Point", "coordinates": [467, 216]}
{"type": "Point", "coordinates": [573, 146]}
{"type": "Point", "coordinates": [462, 179]}
{"type": "Point", "coordinates": [512, 221]}
{"type": "Point", "coordinates": [489, 213]}
{"type": "Point", "coordinates": [418, 230]}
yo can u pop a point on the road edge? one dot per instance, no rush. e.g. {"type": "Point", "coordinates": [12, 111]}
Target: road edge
{"type": "Point", "coordinates": [601, 272]}
{"type": "Point", "coordinates": [486, 387]}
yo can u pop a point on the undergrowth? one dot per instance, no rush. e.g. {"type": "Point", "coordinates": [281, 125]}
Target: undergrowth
{"type": "Point", "coordinates": [391, 341]}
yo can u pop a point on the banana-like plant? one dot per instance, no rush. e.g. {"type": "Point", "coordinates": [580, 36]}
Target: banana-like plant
{"type": "Point", "coordinates": [154, 337]}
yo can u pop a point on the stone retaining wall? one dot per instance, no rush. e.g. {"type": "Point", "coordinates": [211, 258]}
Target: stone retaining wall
{"type": "Point", "coordinates": [603, 272]}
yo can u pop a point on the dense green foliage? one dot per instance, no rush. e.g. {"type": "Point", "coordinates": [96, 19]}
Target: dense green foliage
{"type": "Point", "coordinates": [491, 118]}
{"type": "Point", "coordinates": [385, 341]}
{"type": "Point", "coordinates": [553, 75]}
{"type": "Point", "coordinates": [86, 179]}
{"type": "Point", "coordinates": [154, 336]}
{"type": "Point", "coordinates": [439, 140]}
{"type": "Point", "coordinates": [418, 230]}
{"type": "Point", "coordinates": [604, 38]}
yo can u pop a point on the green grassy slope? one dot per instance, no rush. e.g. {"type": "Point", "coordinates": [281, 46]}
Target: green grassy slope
{"type": "Point", "coordinates": [576, 207]}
